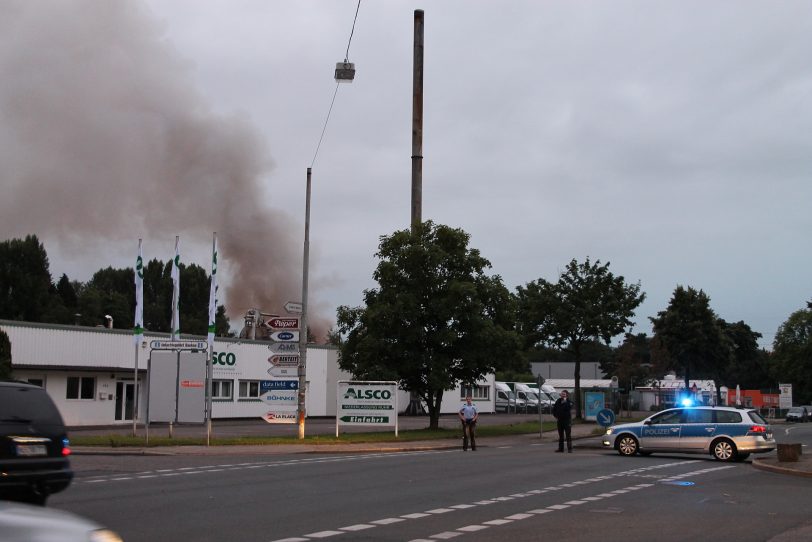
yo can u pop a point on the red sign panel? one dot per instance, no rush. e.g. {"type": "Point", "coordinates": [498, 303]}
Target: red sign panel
{"type": "Point", "coordinates": [283, 323]}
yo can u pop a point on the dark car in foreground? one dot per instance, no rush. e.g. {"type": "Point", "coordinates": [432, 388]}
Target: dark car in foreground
{"type": "Point", "coordinates": [726, 433]}
{"type": "Point", "coordinates": [34, 445]}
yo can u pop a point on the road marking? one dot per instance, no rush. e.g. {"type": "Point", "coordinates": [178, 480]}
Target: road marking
{"type": "Point", "coordinates": [497, 522]}
{"type": "Point", "coordinates": [473, 528]}
{"type": "Point", "coordinates": [387, 521]}
{"type": "Point", "coordinates": [462, 506]}
{"type": "Point", "coordinates": [323, 534]}
{"type": "Point", "coordinates": [519, 516]}
{"type": "Point", "coordinates": [439, 511]}
{"type": "Point", "coordinates": [446, 535]}
{"type": "Point", "coordinates": [417, 515]}
{"type": "Point", "coordinates": [558, 506]}
{"type": "Point", "coordinates": [358, 527]}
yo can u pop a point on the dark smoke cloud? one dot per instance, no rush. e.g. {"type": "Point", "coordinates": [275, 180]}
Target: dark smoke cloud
{"type": "Point", "coordinates": [103, 138]}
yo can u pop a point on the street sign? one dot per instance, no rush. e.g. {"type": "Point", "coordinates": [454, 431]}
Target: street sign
{"type": "Point", "coordinates": [605, 417]}
{"type": "Point", "coordinates": [284, 361]}
{"type": "Point", "coordinates": [293, 307]}
{"type": "Point", "coordinates": [284, 372]}
{"type": "Point", "coordinates": [284, 348]}
{"type": "Point", "coordinates": [366, 419]}
{"type": "Point", "coordinates": [283, 323]}
{"type": "Point", "coordinates": [267, 385]}
{"type": "Point", "coordinates": [281, 400]}
{"type": "Point", "coordinates": [285, 336]}
{"type": "Point", "coordinates": [178, 345]}
{"type": "Point", "coordinates": [280, 417]}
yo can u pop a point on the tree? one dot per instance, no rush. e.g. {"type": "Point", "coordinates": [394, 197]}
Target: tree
{"type": "Point", "coordinates": [25, 280]}
{"type": "Point", "coordinates": [5, 356]}
{"type": "Point", "coordinates": [588, 303]}
{"type": "Point", "coordinates": [688, 337]}
{"type": "Point", "coordinates": [748, 365]}
{"type": "Point", "coordinates": [631, 362]}
{"type": "Point", "coordinates": [435, 320]}
{"type": "Point", "coordinates": [792, 354]}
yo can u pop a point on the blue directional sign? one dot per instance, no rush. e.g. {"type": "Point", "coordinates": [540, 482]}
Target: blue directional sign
{"type": "Point", "coordinates": [268, 385]}
{"type": "Point", "coordinates": [605, 417]}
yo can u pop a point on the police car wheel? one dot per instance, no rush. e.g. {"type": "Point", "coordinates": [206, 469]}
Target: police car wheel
{"type": "Point", "coordinates": [724, 450]}
{"type": "Point", "coordinates": [627, 445]}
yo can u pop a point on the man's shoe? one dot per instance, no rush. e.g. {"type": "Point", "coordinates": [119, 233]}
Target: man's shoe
{"type": "Point", "coordinates": [559, 451]}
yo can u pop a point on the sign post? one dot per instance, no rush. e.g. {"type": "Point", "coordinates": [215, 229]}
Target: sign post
{"type": "Point", "coordinates": [540, 382]}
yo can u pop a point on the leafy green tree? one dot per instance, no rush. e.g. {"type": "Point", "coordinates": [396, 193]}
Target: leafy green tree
{"type": "Point", "coordinates": [631, 362]}
{"type": "Point", "coordinates": [5, 356]}
{"type": "Point", "coordinates": [587, 304]}
{"type": "Point", "coordinates": [435, 320]}
{"type": "Point", "coordinates": [749, 366]}
{"type": "Point", "coordinates": [25, 280]}
{"type": "Point", "coordinates": [688, 338]}
{"type": "Point", "coordinates": [792, 354]}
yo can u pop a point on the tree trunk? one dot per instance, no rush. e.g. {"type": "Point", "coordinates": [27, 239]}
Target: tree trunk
{"type": "Point", "coordinates": [434, 409]}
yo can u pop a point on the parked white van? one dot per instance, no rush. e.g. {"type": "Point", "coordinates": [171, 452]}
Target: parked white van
{"type": "Point", "coordinates": [506, 400]}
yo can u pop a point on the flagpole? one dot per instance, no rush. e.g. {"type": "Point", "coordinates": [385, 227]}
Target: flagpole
{"type": "Point", "coordinates": [210, 337]}
{"type": "Point", "coordinates": [138, 328]}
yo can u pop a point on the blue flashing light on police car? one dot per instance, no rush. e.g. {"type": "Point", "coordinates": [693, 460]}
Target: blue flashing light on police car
{"type": "Point", "coordinates": [687, 401]}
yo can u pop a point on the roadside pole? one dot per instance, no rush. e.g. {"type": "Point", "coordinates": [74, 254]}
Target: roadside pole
{"type": "Point", "coordinates": [540, 381]}
{"type": "Point", "coordinates": [300, 407]}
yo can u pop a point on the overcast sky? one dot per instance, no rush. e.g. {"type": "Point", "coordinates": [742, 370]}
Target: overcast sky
{"type": "Point", "coordinates": [671, 139]}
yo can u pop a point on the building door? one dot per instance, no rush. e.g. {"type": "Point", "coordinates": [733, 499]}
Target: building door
{"type": "Point", "coordinates": [125, 400]}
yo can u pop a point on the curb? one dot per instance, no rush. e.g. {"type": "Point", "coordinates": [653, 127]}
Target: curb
{"type": "Point", "coordinates": [761, 464]}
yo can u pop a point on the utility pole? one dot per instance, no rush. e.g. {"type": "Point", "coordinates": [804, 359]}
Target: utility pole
{"type": "Point", "coordinates": [300, 406]}
{"type": "Point", "coordinates": [417, 122]}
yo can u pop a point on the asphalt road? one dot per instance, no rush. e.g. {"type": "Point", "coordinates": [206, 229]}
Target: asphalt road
{"type": "Point", "coordinates": [515, 489]}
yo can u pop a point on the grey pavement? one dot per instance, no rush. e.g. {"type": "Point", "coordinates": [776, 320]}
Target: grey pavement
{"type": "Point", "coordinates": [585, 436]}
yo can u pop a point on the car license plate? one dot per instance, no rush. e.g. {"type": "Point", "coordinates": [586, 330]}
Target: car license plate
{"type": "Point", "coordinates": [31, 450]}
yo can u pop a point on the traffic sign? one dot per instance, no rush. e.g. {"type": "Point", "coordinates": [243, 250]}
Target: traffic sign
{"type": "Point", "coordinates": [293, 307]}
{"type": "Point", "coordinates": [268, 385]}
{"type": "Point", "coordinates": [282, 400]}
{"type": "Point", "coordinates": [291, 322]}
{"type": "Point", "coordinates": [285, 336]}
{"type": "Point", "coordinates": [284, 348]}
{"type": "Point", "coordinates": [605, 417]}
{"type": "Point", "coordinates": [283, 372]}
{"type": "Point", "coordinates": [284, 361]}
{"type": "Point", "coordinates": [178, 345]}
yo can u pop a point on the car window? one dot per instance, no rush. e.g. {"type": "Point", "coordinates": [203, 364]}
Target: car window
{"type": "Point", "coordinates": [697, 415]}
{"type": "Point", "coordinates": [728, 416]}
{"type": "Point", "coordinates": [669, 416]}
{"type": "Point", "coordinates": [756, 417]}
{"type": "Point", "coordinates": [26, 405]}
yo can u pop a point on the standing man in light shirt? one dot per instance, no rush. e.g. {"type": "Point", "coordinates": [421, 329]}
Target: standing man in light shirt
{"type": "Point", "coordinates": [468, 417]}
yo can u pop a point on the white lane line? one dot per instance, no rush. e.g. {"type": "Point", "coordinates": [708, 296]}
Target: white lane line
{"type": "Point", "coordinates": [439, 511]}
{"type": "Point", "coordinates": [497, 522]}
{"type": "Point", "coordinates": [558, 506]}
{"type": "Point", "coordinates": [575, 503]}
{"type": "Point", "coordinates": [519, 516]}
{"type": "Point", "coordinates": [387, 521]}
{"type": "Point", "coordinates": [446, 535]}
{"type": "Point", "coordinates": [323, 534]}
{"type": "Point", "coordinates": [482, 503]}
{"type": "Point", "coordinates": [592, 498]}
{"type": "Point", "coordinates": [121, 478]}
{"type": "Point", "coordinates": [473, 528]}
{"type": "Point", "coordinates": [462, 506]}
{"type": "Point", "coordinates": [539, 511]}
{"type": "Point", "coordinates": [358, 527]}
{"type": "Point", "coordinates": [416, 515]}
{"type": "Point", "coordinates": [291, 540]}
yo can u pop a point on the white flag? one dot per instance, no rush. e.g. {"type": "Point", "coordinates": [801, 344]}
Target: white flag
{"type": "Point", "coordinates": [213, 294]}
{"type": "Point", "coordinates": [176, 292]}
{"type": "Point", "coordinates": [138, 324]}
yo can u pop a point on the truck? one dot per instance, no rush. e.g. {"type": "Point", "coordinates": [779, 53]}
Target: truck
{"type": "Point", "coordinates": [506, 399]}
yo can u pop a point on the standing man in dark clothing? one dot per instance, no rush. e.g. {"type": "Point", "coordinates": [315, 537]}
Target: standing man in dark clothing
{"type": "Point", "coordinates": [562, 410]}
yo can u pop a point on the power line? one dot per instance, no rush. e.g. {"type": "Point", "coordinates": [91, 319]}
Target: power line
{"type": "Point", "coordinates": [333, 101]}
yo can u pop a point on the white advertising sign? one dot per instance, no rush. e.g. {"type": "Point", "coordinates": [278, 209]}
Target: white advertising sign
{"type": "Point", "coordinates": [367, 403]}
{"type": "Point", "coordinates": [285, 336]}
{"type": "Point", "coordinates": [284, 372]}
{"type": "Point", "coordinates": [785, 398]}
{"type": "Point", "coordinates": [284, 348]}
{"type": "Point", "coordinates": [281, 400]}
{"type": "Point", "coordinates": [280, 417]}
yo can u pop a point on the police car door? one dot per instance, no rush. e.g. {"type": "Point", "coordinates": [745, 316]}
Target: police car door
{"type": "Point", "coordinates": [698, 429]}
{"type": "Point", "coordinates": [662, 431]}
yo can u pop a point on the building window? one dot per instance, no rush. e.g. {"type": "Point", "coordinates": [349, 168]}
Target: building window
{"type": "Point", "coordinates": [482, 393]}
{"type": "Point", "coordinates": [36, 381]}
{"type": "Point", "coordinates": [249, 389]}
{"type": "Point", "coordinates": [81, 387]}
{"type": "Point", "coordinates": [222, 390]}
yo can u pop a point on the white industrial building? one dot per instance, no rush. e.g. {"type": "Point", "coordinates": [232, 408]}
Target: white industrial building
{"type": "Point", "coordinates": [89, 373]}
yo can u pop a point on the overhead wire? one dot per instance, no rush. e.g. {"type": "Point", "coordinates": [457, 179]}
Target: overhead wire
{"type": "Point", "coordinates": [333, 101]}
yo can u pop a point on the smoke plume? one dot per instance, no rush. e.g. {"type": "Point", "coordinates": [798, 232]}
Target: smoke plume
{"type": "Point", "coordinates": [104, 139]}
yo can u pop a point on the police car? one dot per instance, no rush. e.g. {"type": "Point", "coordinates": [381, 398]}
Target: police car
{"type": "Point", "coordinates": [727, 433]}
